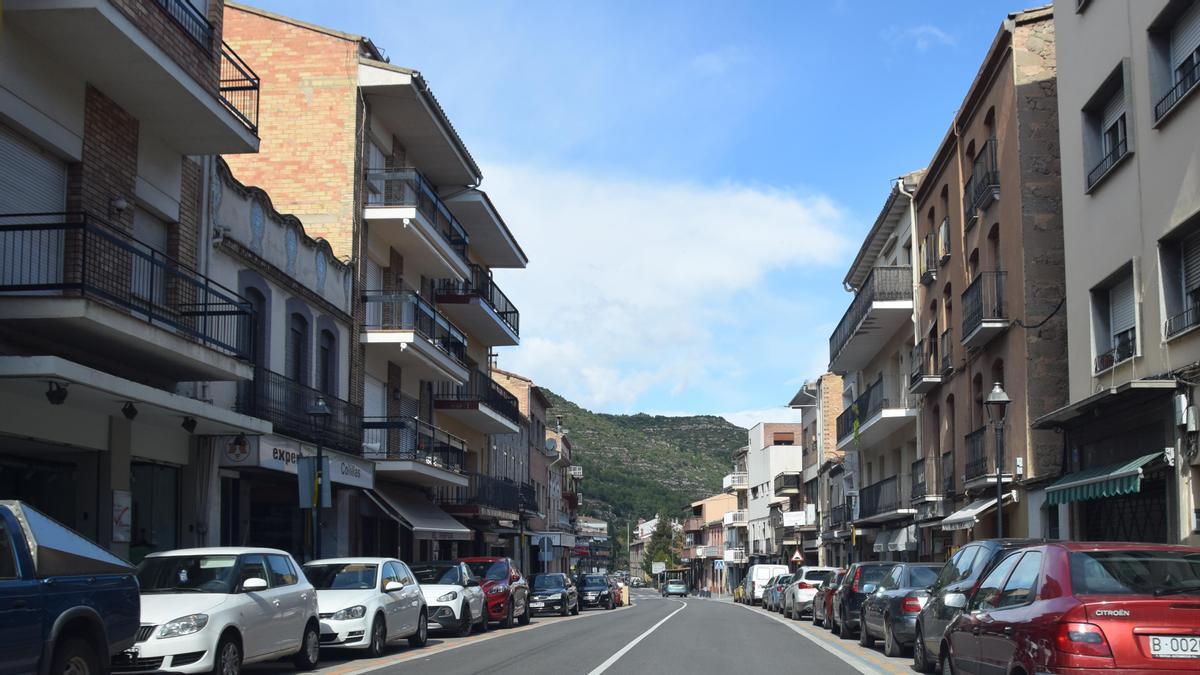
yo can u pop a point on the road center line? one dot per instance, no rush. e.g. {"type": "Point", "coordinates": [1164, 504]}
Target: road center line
{"type": "Point", "coordinates": [625, 650]}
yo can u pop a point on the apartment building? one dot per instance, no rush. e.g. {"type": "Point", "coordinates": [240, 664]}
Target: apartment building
{"type": "Point", "coordinates": [874, 349]}
{"type": "Point", "coordinates": [362, 152]}
{"type": "Point", "coordinates": [704, 540]}
{"type": "Point", "coordinates": [737, 532]}
{"type": "Point", "coordinates": [773, 449]}
{"type": "Point", "coordinates": [110, 325]}
{"type": "Point", "coordinates": [822, 399]}
{"type": "Point", "coordinates": [988, 303]}
{"type": "Point", "coordinates": [1131, 217]}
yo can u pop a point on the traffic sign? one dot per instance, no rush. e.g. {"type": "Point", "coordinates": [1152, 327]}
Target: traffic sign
{"type": "Point", "coordinates": [658, 567]}
{"type": "Point", "coordinates": [797, 556]}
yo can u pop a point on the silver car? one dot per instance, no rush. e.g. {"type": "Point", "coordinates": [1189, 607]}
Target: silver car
{"type": "Point", "coordinates": [798, 596]}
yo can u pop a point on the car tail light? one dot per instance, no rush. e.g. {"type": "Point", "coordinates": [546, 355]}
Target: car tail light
{"type": "Point", "coordinates": [1082, 639]}
{"type": "Point", "coordinates": [854, 588]}
{"type": "Point", "coordinates": [802, 585]}
{"type": "Point", "coordinates": [911, 605]}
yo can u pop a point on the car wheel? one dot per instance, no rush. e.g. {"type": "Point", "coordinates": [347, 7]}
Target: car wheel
{"type": "Point", "coordinates": [378, 637]}
{"type": "Point", "coordinates": [468, 621]}
{"type": "Point", "coordinates": [525, 617]}
{"type": "Point", "coordinates": [845, 633]}
{"type": "Point", "coordinates": [575, 610]}
{"type": "Point", "coordinates": [228, 659]}
{"type": "Point", "coordinates": [566, 608]}
{"type": "Point", "coordinates": [920, 657]}
{"type": "Point", "coordinates": [947, 663]}
{"type": "Point", "coordinates": [816, 622]}
{"type": "Point", "coordinates": [864, 635]}
{"type": "Point", "coordinates": [508, 616]}
{"type": "Point", "coordinates": [310, 648]}
{"type": "Point", "coordinates": [75, 657]}
{"type": "Point", "coordinates": [420, 637]}
{"type": "Point", "coordinates": [834, 626]}
{"type": "Point", "coordinates": [890, 646]}
{"type": "Point", "coordinates": [483, 620]}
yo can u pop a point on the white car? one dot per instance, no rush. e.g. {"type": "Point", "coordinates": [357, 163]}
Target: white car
{"type": "Point", "coordinates": [454, 596]}
{"type": "Point", "coordinates": [215, 609]}
{"type": "Point", "coordinates": [367, 603]}
{"type": "Point", "coordinates": [798, 596]}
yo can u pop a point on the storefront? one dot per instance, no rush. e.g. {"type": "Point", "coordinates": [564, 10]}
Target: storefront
{"type": "Point", "coordinates": [424, 530]}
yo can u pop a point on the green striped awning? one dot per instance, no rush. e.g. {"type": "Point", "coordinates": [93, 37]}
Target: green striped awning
{"type": "Point", "coordinates": [1110, 480]}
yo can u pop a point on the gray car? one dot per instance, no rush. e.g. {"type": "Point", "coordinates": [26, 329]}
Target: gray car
{"type": "Point", "coordinates": [890, 609]}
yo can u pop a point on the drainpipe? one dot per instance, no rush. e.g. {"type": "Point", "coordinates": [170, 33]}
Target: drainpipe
{"type": "Point", "coordinates": [915, 248]}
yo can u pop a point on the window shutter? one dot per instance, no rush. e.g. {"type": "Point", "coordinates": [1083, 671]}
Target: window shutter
{"type": "Point", "coordinates": [1191, 262]}
{"type": "Point", "coordinates": [1121, 306]}
{"type": "Point", "coordinates": [31, 181]}
{"type": "Point", "coordinates": [374, 283]}
{"type": "Point", "coordinates": [1185, 37]}
{"type": "Point", "coordinates": [374, 398]}
{"type": "Point", "coordinates": [1112, 110]}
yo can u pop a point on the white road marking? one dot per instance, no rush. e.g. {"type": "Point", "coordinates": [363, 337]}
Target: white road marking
{"type": "Point", "coordinates": [625, 650]}
{"type": "Point", "coordinates": [858, 663]}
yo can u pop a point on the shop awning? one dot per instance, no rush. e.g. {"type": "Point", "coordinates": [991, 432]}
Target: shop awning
{"type": "Point", "coordinates": [905, 539]}
{"type": "Point", "coordinates": [966, 518]}
{"type": "Point", "coordinates": [882, 540]}
{"type": "Point", "coordinates": [1128, 394]}
{"type": "Point", "coordinates": [425, 520]}
{"type": "Point", "coordinates": [1110, 480]}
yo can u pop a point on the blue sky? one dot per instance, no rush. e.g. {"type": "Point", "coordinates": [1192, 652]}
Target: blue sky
{"type": "Point", "coordinates": [689, 179]}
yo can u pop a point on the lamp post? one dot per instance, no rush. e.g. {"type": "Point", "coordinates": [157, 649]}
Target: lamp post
{"type": "Point", "coordinates": [319, 414]}
{"type": "Point", "coordinates": [996, 405]}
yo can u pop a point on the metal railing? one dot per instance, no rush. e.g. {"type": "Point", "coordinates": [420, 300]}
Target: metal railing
{"type": "Point", "coordinates": [239, 88]}
{"type": "Point", "coordinates": [286, 403]}
{"type": "Point", "coordinates": [789, 480]}
{"type": "Point", "coordinates": [735, 517]}
{"type": "Point", "coordinates": [1182, 321]}
{"type": "Point", "coordinates": [1187, 80]}
{"type": "Point", "coordinates": [924, 361]}
{"type": "Point", "coordinates": [497, 493]}
{"type": "Point", "coordinates": [1125, 349]}
{"type": "Point", "coordinates": [883, 284]}
{"type": "Point", "coordinates": [483, 287]}
{"type": "Point", "coordinates": [946, 350]}
{"type": "Point", "coordinates": [981, 459]}
{"type": "Point", "coordinates": [882, 394]}
{"type": "Point", "coordinates": [406, 187]}
{"type": "Point", "coordinates": [983, 301]}
{"type": "Point", "coordinates": [693, 524]}
{"type": "Point", "coordinates": [190, 19]}
{"type": "Point", "coordinates": [947, 469]}
{"type": "Point", "coordinates": [943, 240]}
{"type": "Point", "coordinates": [77, 254]}
{"type": "Point", "coordinates": [401, 438]}
{"type": "Point", "coordinates": [920, 483]}
{"type": "Point", "coordinates": [1107, 162]}
{"type": "Point", "coordinates": [481, 389]}
{"type": "Point", "coordinates": [839, 515]}
{"type": "Point", "coordinates": [985, 176]}
{"type": "Point", "coordinates": [970, 214]}
{"type": "Point", "coordinates": [929, 262]}
{"type": "Point", "coordinates": [528, 498]}
{"type": "Point", "coordinates": [881, 497]}
{"type": "Point", "coordinates": [736, 480]}
{"type": "Point", "coordinates": [406, 310]}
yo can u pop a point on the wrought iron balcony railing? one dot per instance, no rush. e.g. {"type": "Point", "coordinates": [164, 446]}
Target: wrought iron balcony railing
{"type": "Point", "coordinates": [286, 403]}
{"type": "Point", "coordinates": [1186, 80]}
{"type": "Point", "coordinates": [529, 502]}
{"type": "Point", "coordinates": [882, 394]}
{"type": "Point", "coordinates": [406, 187]}
{"type": "Point", "coordinates": [946, 351]}
{"type": "Point", "coordinates": [839, 515]}
{"type": "Point", "coordinates": [239, 87]}
{"type": "Point", "coordinates": [1178, 323]}
{"type": "Point", "coordinates": [497, 493]}
{"type": "Point", "coordinates": [947, 470]}
{"type": "Point", "coordinates": [883, 284]}
{"type": "Point", "coordinates": [984, 182]}
{"type": "Point", "coordinates": [190, 19]}
{"type": "Point", "coordinates": [981, 459]}
{"type": "Point", "coordinates": [482, 286]}
{"type": "Point", "coordinates": [920, 482]}
{"type": "Point", "coordinates": [482, 389]}
{"type": "Point", "coordinates": [412, 439]}
{"type": "Point", "coordinates": [1107, 162]}
{"type": "Point", "coordinates": [881, 497]}
{"type": "Point", "coordinates": [983, 301]}
{"type": "Point", "coordinates": [1125, 349]}
{"type": "Point", "coordinates": [923, 361]}
{"type": "Point", "coordinates": [406, 310]}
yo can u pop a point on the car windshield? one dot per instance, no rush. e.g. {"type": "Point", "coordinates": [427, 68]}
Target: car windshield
{"type": "Point", "coordinates": [436, 573]}
{"type": "Point", "coordinates": [492, 571]}
{"type": "Point", "coordinates": [920, 577]}
{"type": "Point", "coordinates": [187, 574]}
{"type": "Point", "coordinates": [341, 576]}
{"type": "Point", "coordinates": [817, 576]}
{"type": "Point", "coordinates": [1147, 572]}
{"type": "Point", "coordinates": [873, 573]}
{"type": "Point", "coordinates": [785, 579]}
{"type": "Point", "coordinates": [548, 582]}
{"type": "Point", "coordinates": [594, 580]}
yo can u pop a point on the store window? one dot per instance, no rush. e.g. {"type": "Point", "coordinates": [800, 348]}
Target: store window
{"type": "Point", "coordinates": [155, 509]}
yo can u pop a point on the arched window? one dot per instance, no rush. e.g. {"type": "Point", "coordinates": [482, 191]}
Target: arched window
{"type": "Point", "coordinates": [951, 441]}
{"type": "Point", "coordinates": [260, 328]}
{"type": "Point", "coordinates": [296, 367]}
{"type": "Point", "coordinates": [973, 263]}
{"type": "Point", "coordinates": [327, 363]}
{"type": "Point", "coordinates": [994, 247]}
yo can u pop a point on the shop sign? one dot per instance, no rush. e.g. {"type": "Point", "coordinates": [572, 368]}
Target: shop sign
{"type": "Point", "coordinates": [283, 454]}
{"type": "Point", "coordinates": [122, 516]}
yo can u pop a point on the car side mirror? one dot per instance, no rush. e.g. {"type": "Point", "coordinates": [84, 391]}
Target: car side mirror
{"type": "Point", "coordinates": [393, 586]}
{"type": "Point", "coordinates": [955, 600]}
{"type": "Point", "coordinates": [514, 578]}
{"type": "Point", "coordinates": [869, 588]}
{"type": "Point", "coordinates": [254, 584]}
{"type": "Point", "coordinates": [472, 583]}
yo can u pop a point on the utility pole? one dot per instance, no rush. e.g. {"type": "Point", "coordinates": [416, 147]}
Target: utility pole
{"type": "Point", "coordinates": [628, 548]}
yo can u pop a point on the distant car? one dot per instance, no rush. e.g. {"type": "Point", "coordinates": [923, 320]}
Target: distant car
{"type": "Point", "coordinates": [554, 592]}
{"type": "Point", "coordinates": [823, 599]}
{"type": "Point", "coordinates": [891, 608]}
{"type": "Point", "coordinates": [849, 596]}
{"type": "Point", "coordinates": [595, 591]}
{"type": "Point", "coordinates": [215, 609]}
{"type": "Point", "coordinates": [755, 583]}
{"type": "Point", "coordinates": [504, 587]}
{"type": "Point", "coordinates": [773, 596]}
{"type": "Point", "coordinates": [798, 596]}
{"type": "Point", "coordinates": [675, 587]}
{"type": "Point", "coordinates": [368, 603]}
{"type": "Point", "coordinates": [453, 596]}
{"type": "Point", "coordinates": [1080, 607]}
{"type": "Point", "coordinates": [959, 576]}
{"type": "Point", "coordinates": [636, 582]}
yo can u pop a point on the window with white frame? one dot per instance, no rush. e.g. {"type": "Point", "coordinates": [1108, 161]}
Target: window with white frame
{"type": "Point", "coordinates": [1179, 257]}
{"type": "Point", "coordinates": [1175, 53]}
{"type": "Point", "coordinates": [1114, 320]}
{"type": "Point", "coordinates": [1106, 134]}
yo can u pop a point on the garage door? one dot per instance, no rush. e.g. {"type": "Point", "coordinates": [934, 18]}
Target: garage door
{"type": "Point", "coordinates": [31, 181]}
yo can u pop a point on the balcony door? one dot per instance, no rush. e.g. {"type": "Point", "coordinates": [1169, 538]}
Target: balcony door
{"type": "Point", "coordinates": [31, 181]}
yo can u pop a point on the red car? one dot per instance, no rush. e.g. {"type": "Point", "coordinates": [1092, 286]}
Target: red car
{"type": "Point", "coordinates": [505, 590]}
{"type": "Point", "coordinates": [822, 607]}
{"type": "Point", "coordinates": [1081, 607]}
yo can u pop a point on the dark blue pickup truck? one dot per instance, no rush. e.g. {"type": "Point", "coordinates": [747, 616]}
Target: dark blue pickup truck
{"type": "Point", "coordinates": [66, 605]}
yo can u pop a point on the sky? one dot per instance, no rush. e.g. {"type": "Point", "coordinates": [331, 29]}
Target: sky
{"type": "Point", "coordinates": [690, 180]}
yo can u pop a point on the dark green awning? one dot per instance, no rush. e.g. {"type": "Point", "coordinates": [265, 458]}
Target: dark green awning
{"type": "Point", "coordinates": [1110, 480]}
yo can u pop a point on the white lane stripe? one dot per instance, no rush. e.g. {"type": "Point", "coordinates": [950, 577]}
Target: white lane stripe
{"type": "Point", "coordinates": [848, 657]}
{"type": "Point", "coordinates": [625, 650]}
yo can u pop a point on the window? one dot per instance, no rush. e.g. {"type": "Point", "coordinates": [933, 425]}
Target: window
{"type": "Point", "coordinates": [1106, 138]}
{"type": "Point", "coordinates": [327, 363]}
{"type": "Point", "coordinates": [1175, 54]}
{"type": "Point", "coordinates": [944, 241]}
{"type": "Point", "coordinates": [1180, 260]}
{"type": "Point", "coordinates": [988, 595]}
{"type": "Point", "coordinates": [1021, 587]}
{"type": "Point", "coordinates": [297, 349]}
{"type": "Point", "coordinates": [148, 275]}
{"type": "Point", "coordinates": [282, 573]}
{"type": "Point", "coordinates": [390, 574]}
{"type": "Point", "coordinates": [8, 557]}
{"type": "Point", "coordinates": [253, 567]}
{"type": "Point", "coordinates": [962, 565]}
{"type": "Point", "coordinates": [1114, 320]}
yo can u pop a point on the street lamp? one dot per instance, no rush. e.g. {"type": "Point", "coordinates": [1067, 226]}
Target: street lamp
{"type": "Point", "coordinates": [319, 414]}
{"type": "Point", "coordinates": [996, 405]}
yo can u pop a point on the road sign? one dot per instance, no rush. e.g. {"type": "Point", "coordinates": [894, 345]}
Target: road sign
{"type": "Point", "coordinates": [797, 556]}
{"type": "Point", "coordinates": [658, 567]}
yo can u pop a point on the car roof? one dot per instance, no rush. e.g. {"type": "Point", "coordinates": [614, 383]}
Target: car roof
{"type": "Point", "coordinates": [359, 561]}
{"type": "Point", "coordinates": [1120, 546]}
{"type": "Point", "coordinates": [216, 550]}
{"type": "Point", "coordinates": [482, 558]}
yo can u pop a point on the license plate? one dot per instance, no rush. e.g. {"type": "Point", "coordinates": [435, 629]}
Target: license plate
{"type": "Point", "coordinates": [537, 604]}
{"type": "Point", "coordinates": [1175, 646]}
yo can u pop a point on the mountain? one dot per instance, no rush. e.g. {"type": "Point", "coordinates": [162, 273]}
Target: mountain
{"type": "Point", "coordinates": [638, 465]}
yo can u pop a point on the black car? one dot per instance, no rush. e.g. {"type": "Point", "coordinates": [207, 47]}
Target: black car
{"type": "Point", "coordinates": [595, 591]}
{"type": "Point", "coordinates": [891, 608]}
{"type": "Point", "coordinates": [554, 593]}
{"type": "Point", "coordinates": [961, 574]}
{"type": "Point", "coordinates": [849, 596]}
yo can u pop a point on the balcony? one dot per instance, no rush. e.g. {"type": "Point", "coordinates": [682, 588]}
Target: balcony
{"type": "Point", "coordinates": [480, 403]}
{"type": "Point", "coordinates": [73, 281]}
{"type": "Point", "coordinates": [486, 496]}
{"type": "Point", "coordinates": [947, 466]}
{"type": "Point", "coordinates": [1125, 349]}
{"type": "Point", "coordinates": [981, 459]}
{"type": "Point", "coordinates": [491, 241]}
{"type": "Point", "coordinates": [946, 352]}
{"type": "Point", "coordinates": [926, 371]}
{"type": "Point", "coordinates": [735, 518]}
{"type": "Point", "coordinates": [920, 482]}
{"type": "Point", "coordinates": [983, 187]}
{"type": "Point", "coordinates": [411, 450]}
{"type": "Point", "coordinates": [839, 517]}
{"type": "Point", "coordinates": [406, 212]}
{"type": "Point", "coordinates": [285, 404]}
{"type": "Point", "coordinates": [881, 307]}
{"type": "Point", "coordinates": [789, 483]}
{"type": "Point", "coordinates": [1186, 80]}
{"type": "Point", "coordinates": [528, 499]}
{"type": "Point", "coordinates": [984, 313]}
{"type": "Point", "coordinates": [738, 480]}
{"type": "Point", "coordinates": [693, 524]}
{"type": "Point", "coordinates": [929, 262]}
{"type": "Point", "coordinates": [1183, 321]}
{"type": "Point", "coordinates": [736, 555]}
{"type": "Point", "coordinates": [884, 501]}
{"type": "Point", "coordinates": [881, 410]}
{"type": "Point", "coordinates": [481, 308]}
{"type": "Point", "coordinates": [171, 82]}
{"type": "Point", "coordinates": [413, 334]}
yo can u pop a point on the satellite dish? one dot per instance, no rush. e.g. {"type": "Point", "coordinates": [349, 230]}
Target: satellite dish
{"type": "Point", "coordinates": [551, 445]}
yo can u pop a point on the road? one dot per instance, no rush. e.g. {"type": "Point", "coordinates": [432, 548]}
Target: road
{"type": "Point", "coordinates": [693, 636]}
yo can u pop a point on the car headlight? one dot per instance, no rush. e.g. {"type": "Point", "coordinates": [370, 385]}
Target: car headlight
{"type": "Point", "coordinates": [184, 625]}
{"type": "Point", "coordinates": [497, 590]}
{"type": "Point", "coordinates": [554, 596]}
{"type": "Point", "coordinates": [355, 612]}
{"type": "Point", "coordinates": [447, 597]}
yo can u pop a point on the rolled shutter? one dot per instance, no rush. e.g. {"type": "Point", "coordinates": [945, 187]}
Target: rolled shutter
{"type": "Point", "coordinates": [1112, 110]}
{"type": "Point", "coordinates": [374, 283]}
{"type": "Point", "coordinates": [1121, 307]}
{"type": "Point", "coordinates": [1185, 37]}
{"type": "Point", "coordinates": [1191, 262]}
{"type": "Point", "coordinates": [31, 181]}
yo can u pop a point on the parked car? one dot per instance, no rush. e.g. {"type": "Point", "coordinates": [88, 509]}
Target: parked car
{"type": "Point", "coordinates": [773, 595]}
{"type": "Point", "coordinates": [959, 576]}
{"type": "Point", "coordinates": [453, 597]}
{"type": "Point", "coordinates": [368, 603]}
{"type": "Point", "coordinates": [849, 596]}
{"type": "Point", "coordinates": [891, 607]}
{"type": "Point", "coordinates": [675, 587]}
{"type": "Point", "coordinates": [822, 604]}
{"type": "Point", "coordinates": [798, 596]}
{"type": "Point", "coordinates": [636, 582]}
{"type": "Point", "coordinates": [1080, 606]}
{"type": "Point", "coordinates": [756, 580]}
{"type": "Point", "coordinates": [595, 591]}
{"type": "Point", "coordinates": [66, 605]}
{"type": "Point", "coordinates": [554, 593]}
{"type": "Point", "coordinates": [216, 609]}
{"type": "Point", "coordinates": [504, 588]}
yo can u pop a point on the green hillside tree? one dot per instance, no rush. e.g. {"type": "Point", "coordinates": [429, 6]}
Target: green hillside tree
{"type": "Point", "coordinates": [664, 545]}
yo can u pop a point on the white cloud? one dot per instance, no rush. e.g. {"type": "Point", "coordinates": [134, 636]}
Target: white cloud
{"type": "Point", "coordinates": [921, 37]}
{"type": "Point", "coordinates": [748, 418]}
{"type": "Point", "coordinates": [631, 284]}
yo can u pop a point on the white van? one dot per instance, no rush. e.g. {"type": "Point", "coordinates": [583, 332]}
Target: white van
{"type": "Point", "coordinates": [756, 581]}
